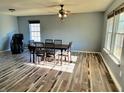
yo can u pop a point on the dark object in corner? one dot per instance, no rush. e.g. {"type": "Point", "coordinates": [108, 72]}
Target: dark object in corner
{"type": "Point", "coordinates": [17, 44]}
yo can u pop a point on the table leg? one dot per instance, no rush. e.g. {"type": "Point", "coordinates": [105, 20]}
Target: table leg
{"type": "Point", "coordinates": [33, 57]}
{"type": "Point", "coordinates": [30, 56]}
{"type": "Point", "coordinates": [61, 55]}
{"type": "Point", "coordinates": [70, 56]}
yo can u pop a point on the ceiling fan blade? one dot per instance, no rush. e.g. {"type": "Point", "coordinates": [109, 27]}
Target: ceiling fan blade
{"type": "Point", "coordinates": [56, 5]}
{"type": "Point", "coordinates": [67, 12]}
{"type": "Point", "coordinates": [60, 6]}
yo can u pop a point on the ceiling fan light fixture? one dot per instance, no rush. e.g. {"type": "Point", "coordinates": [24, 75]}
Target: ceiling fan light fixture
{"type": "Point", "coordinates": [65, 15]}
{"type": "Point", "coordinates": [60, 15]}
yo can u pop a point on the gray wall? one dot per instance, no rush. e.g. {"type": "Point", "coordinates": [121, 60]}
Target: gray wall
{"type": "Point", "coordinates": [84, 30]}
{"type": "Point", "coordinates": [113, 66]}
{"type": "Point", "coordinates": [8, 26]}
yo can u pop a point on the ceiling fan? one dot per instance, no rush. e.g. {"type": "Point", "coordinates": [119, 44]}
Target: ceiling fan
{"type": "Point", "coordinates": [63, 13]}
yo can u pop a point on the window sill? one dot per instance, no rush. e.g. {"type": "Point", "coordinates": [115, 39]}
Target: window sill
{"type": "Point", "coordinates": [112, 57]}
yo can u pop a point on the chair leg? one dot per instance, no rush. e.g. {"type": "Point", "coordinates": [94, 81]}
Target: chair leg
{"type": "Point", "coordinates": [54, 59]}
{"type": "Point", "coordinates": [61, 59]}
{"type": "Point", "coordinates": [58, 58]}
{"type": "Point", "coordinates": [70, 57]}
{"type": "Point", "coordinates": [38, 59]}
{"type": "Point", "coordinates": [65, 58]}
{"type": "Point", "coordinates": [30, 57]}
{"type": "Point", "coordinates": [45, 58]}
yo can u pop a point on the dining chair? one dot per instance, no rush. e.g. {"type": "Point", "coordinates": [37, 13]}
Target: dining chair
{"type": "Point", "coordinates": [48, 40]}
{"type": "Point", "coordinates": [32, 51]}
{"type": "Point", "coordinates": [31, 48]}
{"type": "Point", "coordinates": [50, 50]}
{"type": "Point", "coordinates": [40, 51]}
{"type": "Point", "coordinates": [57, 41]}
{"type": "Point", "coordinates": [31, 42]}
{"type": "Point", "coordinates": [67, 53]}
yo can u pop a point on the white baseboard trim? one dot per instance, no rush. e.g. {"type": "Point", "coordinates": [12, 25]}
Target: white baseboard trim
{"type": "Point", "coordinates": [84, 51]}
{"type": "Point", "coordinates": [112, 75]}
{"type": "Point", "coordinates": [4, 50]}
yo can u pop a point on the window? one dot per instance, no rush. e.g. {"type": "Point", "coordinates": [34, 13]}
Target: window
{"type": "Point", "coordinates": [34, 27]}
{"type": "Point", "coordinates": [115, 33]}
{"type": "Point", "coordinates": [109, 33]}
{"type": "Point", "coordinates": [119, 35]}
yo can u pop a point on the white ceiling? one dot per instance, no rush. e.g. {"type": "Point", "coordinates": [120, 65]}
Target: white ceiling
{"type": "Point", "coordinates": [45, 7]}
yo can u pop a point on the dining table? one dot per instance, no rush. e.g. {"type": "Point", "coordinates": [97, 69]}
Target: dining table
{"type": "Point", "coordinates": [61, 47]}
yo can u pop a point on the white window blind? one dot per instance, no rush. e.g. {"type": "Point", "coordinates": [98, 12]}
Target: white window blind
{"type": "Point", "coordinates": [34, 27]}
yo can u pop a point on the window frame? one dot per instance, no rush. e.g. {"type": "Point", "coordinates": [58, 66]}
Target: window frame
{"type": "Point", "coordinates": [106, 38]}
{"type": "Point", "coordinates": [116, 19]}
{"type": "Point", "coordinates": [31, 23]}
{"type": "Point", "coordinates": [116, 32]}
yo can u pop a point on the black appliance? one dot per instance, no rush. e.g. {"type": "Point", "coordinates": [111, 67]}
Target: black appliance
{"type": "Point", "coordinates": [17, 44]}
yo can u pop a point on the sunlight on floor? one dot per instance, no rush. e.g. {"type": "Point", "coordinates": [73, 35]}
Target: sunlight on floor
{"type": "Point", "coordinates": [65, 67]}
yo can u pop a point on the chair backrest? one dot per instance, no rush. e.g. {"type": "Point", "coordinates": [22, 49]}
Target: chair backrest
{"type": "Point", "coordinates": [48, 40]}
{"type": "Point", "coordinates": [31, 49]}
{"type": "Point", "coordinates": [57, 41]}
{"type": "Point", "coordinates": [31, 42]}
{"type": "Point", "coordinates": [39, 47]}
{"type": "Point", "coordinates": [50, 48]}
{"type": "Point", "coordinates": [69, 45]}
{"type": "Point", "coordinates": [39, 44]}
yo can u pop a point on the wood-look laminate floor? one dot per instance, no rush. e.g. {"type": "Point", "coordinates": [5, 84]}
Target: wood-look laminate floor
{"type": "Point", "coordinates": [87, 72]}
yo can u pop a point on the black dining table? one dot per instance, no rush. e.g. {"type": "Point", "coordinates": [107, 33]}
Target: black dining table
{"type": "Point", "coordinates": [61, 47]}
